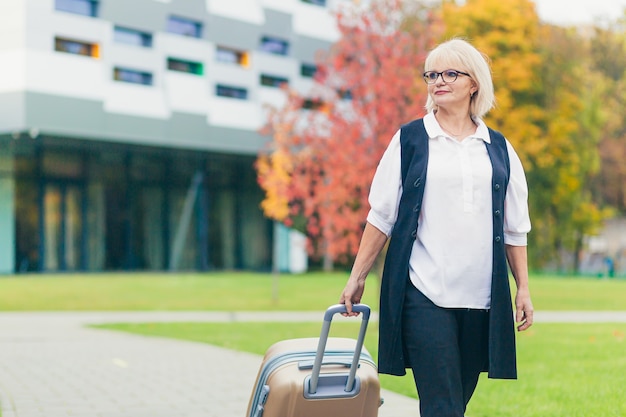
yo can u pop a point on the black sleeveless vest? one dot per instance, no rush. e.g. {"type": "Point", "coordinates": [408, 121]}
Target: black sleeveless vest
{"type": "Point", "coordinates": [414, 151]}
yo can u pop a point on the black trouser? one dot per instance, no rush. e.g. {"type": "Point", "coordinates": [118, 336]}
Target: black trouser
{"type": "Point", "coordinates": [447, 348]}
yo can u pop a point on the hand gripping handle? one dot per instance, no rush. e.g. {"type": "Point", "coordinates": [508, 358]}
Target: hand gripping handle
{"type": "Point", "coordinates": [321, 347]}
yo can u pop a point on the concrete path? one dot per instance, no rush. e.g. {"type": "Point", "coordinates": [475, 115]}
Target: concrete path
{"type": "Point", "coordinates": [52, 365]}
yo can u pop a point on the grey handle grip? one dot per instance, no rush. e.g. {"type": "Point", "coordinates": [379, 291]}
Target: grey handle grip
{"type": "Point", "coordinates": [321, 346]}
{"type": "Point", "coordinates": [341, 308]}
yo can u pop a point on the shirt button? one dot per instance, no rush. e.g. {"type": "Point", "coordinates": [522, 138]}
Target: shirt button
{"type": "Point", "coordinates": [498, 238]}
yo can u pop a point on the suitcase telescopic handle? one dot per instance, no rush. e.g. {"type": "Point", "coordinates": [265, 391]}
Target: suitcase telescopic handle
{"type": "Point", "coordinates": [321, 346]}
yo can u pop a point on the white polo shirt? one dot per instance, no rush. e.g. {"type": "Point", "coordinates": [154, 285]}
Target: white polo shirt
{"type": "Point", "coordinates": [451, 259]}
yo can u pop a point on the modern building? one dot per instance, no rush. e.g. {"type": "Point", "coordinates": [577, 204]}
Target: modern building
{"type": "Point", "coordinates": [129, 129]}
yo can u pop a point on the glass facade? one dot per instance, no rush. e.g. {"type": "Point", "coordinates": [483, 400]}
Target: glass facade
{"type": "Point", "coordinates": [273, 81]}
{"type": "Point", "coordinates": [231, 92]}
{"type": "Point", "coordinates": [90, 206]}
{"type": "Point", "coordinates": [181, 65]}
{"type": "Point", "coordinates": [273, 45]}
{"type": "Point", "coordinates": [82, 7]}
{"type": "Point", "coordinates": [132, 76]}
{"type": "Point", "coordinates": [308, 70]}
{"type": "Point", "coordinates": [232, 56]}
{"type": "Point", "coordinates": [183, 26]}
{"type": "Point", "coordinates": [76, 47]}
{"type": "Point", "coordinates": [132, 37]}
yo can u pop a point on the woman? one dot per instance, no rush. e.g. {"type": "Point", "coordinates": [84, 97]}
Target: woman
{"type": "Point", "coordinates": [452, 196]}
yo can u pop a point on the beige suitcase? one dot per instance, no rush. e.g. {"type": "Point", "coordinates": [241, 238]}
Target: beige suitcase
{"type": "Point", "coordinates": [318, 377]}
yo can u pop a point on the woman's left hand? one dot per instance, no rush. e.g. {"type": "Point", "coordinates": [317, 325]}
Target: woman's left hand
{"type": "Point", "coordinates": [523, 309]}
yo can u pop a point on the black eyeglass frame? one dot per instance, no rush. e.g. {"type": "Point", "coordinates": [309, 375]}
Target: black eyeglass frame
{"type": "Point", "coordinates": [429, 80]}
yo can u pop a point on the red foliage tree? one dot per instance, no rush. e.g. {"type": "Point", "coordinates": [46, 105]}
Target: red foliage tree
{"type": "Point", "coordinates": [326, 146]}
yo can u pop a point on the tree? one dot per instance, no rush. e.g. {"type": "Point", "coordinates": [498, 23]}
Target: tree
{"type": "Point", "coordinates": [608, 56]}
{"type": "Point", "coordinates": [548, 109]}
{"type": "Point", "coordinates": [321, 160]}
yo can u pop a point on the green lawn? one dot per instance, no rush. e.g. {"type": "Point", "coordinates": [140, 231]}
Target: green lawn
{"type": "Point", "coordinates": [248, 291]}
{"type": "Point", "coordinates": [565, 370]}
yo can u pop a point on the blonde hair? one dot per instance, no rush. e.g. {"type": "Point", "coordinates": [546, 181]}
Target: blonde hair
{"type": "Point", "coordinates": [460, 55]}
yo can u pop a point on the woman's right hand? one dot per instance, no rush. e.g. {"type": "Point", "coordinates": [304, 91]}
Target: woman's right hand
{"type": "Point", "coordinates": [352, 294]}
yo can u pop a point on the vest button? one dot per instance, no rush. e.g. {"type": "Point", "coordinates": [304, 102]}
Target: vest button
{"type": "Point", "coordinates": [416, 208]}
{"type": "Point", "coordinates": [417, 182]}
{"type": "Point", "coordinates": [414, 233]}
{"type": "Point", "coordinates": [497, 213]}
{"type": "Point", "coordinates": [496, 187]}
{"type": "Point", "coordinates": [498, 238]}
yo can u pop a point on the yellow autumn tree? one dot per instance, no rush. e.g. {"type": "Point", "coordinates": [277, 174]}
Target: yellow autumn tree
{"type": "Point", "coordinates": [548, 110]}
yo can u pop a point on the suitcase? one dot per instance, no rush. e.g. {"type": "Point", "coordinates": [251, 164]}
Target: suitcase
{"type": "Point", "coordinates": [318, 377]}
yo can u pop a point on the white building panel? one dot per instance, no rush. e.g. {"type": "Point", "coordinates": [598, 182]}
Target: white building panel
{"type": "Point", "coordinates": [12, 20]}
{"type": "Point", "coordinates": [285, 6]}
{"type": "Point", "coordinates": [273, 97]}
{"type": "Point", "coordinates": [233, 113]}
{"type": "Point", "coordinates": [13, 64]}
{"type": "Point", "coordinates": [246, 10]}
{"type": "Point", "coordinates": [65, 75]}
{"type": "Point", "coordinates": [315, 22]}
{"type": "Point", "coordinates": [186, 92]}
{"type": "Point", "coordinates": [135, 100]}
{"type": "Point", "coordinates": [276, 65]}
{"type": "Point", "coordinates": [234, 76]}
{"type": "Point", "coordinates": [44, 27]}
{"type": "Point", "coordinates": [133, 57]}
{"type": "Point", "coordinates": [302, 85]}
{"type": "Point", "coordinates": [184, 47]}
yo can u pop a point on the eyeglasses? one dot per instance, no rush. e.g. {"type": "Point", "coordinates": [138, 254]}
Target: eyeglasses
{"type": "Point", "coordinates": [448, 76]}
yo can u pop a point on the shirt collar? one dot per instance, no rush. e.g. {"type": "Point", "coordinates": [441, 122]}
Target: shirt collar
{"type": "Point", "coordinates": [434, 130]}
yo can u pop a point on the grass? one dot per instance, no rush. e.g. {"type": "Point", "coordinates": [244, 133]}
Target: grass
{"type": "Point", "coordinates": [229, 291]}
{"type": "Point", "coordinates": [161, 291]}
{"type": "Point", "coordinates": [565, 370]}
{"type": "Point", "coordinates": [568, 370]}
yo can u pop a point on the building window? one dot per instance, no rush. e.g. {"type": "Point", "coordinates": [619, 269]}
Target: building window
{"type": "Point", "coordinates": [275, 46]}
{"type": "Point", "coordinates": [273, 81]}
{"type": "Point", "coordinates": [308, 70]}
{"type": "Point", "coordinates": [185, 66]}
{"type": "Point", "coordinates": [185, 27]}
{"type": "Point", "coordinates": [132, 76]}
{"type": "Point", "coordinates": [232, 56]}
{"type": "Point", "coordinates": [344, 94]}
{"type": "Point", "coordinates": [77, 47]}
{"type": "Point", "coordinates": [82, 7]}
{"type": "Point", "coordinates": [313, 104]}
{"type": "Point", "coordinates": [132, 37]}
{"type": "Point", "coordinates": [232, 92]}
{"type": "Point", "coordinates": [315, 2]}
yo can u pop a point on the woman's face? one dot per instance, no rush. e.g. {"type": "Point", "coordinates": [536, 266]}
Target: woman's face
{"type": "Point", "coordinates": [451, 89]}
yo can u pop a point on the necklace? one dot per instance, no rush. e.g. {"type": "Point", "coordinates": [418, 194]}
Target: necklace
{"type": "Point", "coordinates": [455, 135]}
